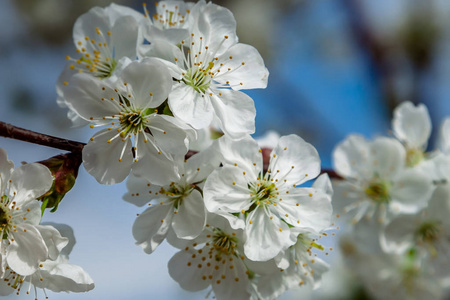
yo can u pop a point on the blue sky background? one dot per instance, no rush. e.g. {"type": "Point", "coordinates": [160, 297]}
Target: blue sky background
{"type": "Point", "coordinates": [321, 86]}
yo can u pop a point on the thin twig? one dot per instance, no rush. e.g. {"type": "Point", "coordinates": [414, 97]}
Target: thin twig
{"type": "Point", "coordinates": [17, 133]}
{"type": "Point", "coordinates": [332, 174]}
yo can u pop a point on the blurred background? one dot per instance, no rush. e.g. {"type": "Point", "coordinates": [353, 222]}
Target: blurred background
{"type": "Point", "coordinates": [336, 67]}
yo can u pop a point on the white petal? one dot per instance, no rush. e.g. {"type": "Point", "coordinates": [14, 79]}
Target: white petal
{"type": "Point", "coordinates": [189, 278]}
{"type": "Point", "coordinates": [29, 212]}
{"type": "Point", "coordinates": [350, 157]}
{"type": "Point", "coordinates": [140, 191]}
{"type": "Point", "coordinates": [314, 209]}
{"type": "Point", "coordinates": [190, 106]}
{"type": "Point", "coordinates": [346, 198]}
{"type": "Point", "coordinates": [247, 68]}
{"type": "Point", "coordinates": [169, 54]}
{"type": "Point", "coordinates": [411, 191]}
{"type": "Point", "coordinates": [265, 237]}
{"type": "Point", "coordinates": [145, 77]}
{"type": "Point", "coordinates": [67, 232]}
{"type": "Point", "coordinates": [6, 168]}
{"type": "Point", "coordinates": [27, 251]}
{"type": "Point", "coordinates": [116, 11]}
{"type": "Point", "coordinates": [191, 217]}
{"type": "Point", "coordinates": [171, 36]}
{"type": "Point", "coordinates": [399, 234]}
{"type": "Point", "coordinates": [439, 205]}
{"type": "Point", "coordinates": [226, 189]}
{"type": "Point", "coordinates": [387, 157]}
{"type": "Point", "coordinates": [124, 36]}
{"type": "Point", "coordinates": [169, 136]}
{"type": "Point", "coordinates": [53, 240]}
{"type": "Point", "coordinates": [323, 183]}
{"type": "Point", "coordinates": [64, 278]}
{"type": "Point", "coordinates": [412, 125]}
{"type": "Point", "coordinates": [61, 86]}
{"type": "Point", "coordinates": [200, 165]}
{"type": "Point", "coordinates": [294, 160]}
{"type": "Point", "coordinates": [101, 159]}
{"type": "Point", "coordinates": [236, 112]}
{"type": "Point", "coordinates": [84, 95]}
{"type": "Point", "coordinates": [151, 227]}
{"type": "Point", "coordinates": [243, 153]}
{"type": "Point", "coordinates": [216, 25]}
{"type": "Point", "coordinates": [86, 25]}
{"type": "Point", "coordinates": [444, 139]}
{"type": "Point", "coordinates": [158, 168]}
{"type": "Point", "coordinates": [29, 182]}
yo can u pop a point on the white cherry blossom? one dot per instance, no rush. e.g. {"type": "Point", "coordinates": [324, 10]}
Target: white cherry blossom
{"type": "Point", "coordinates": [129, 109]}
{"type": "Point", "coordinates": [210, 67]}
{"type": "Point", "coordinates": [412, 126]}
{"type": "Point", "coordinates": [267, 204]}
{"type": "Point", "coordinates": [54, 274]}
{"type": "Point", "coordinates": [106, 38]}
{"type": "Point", "coordinates": [376, 180]}
{"type": "Point", "coordinates": [216, 258]}
{"type": "Point", "coordinates": [177, 206]}
{"type": "Point", "coordinates": [22, 246]}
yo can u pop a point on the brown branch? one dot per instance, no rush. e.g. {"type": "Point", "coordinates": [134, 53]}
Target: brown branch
{"type": "Point", "coordinates": [17, 133]}
{"type": "Point", "coordinates": [332, 174]}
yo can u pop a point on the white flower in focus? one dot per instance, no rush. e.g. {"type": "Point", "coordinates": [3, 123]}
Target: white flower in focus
{"type": "Point", "coordinates": [177, 206]}
{"type": "Point", "coordinates": [412, 126]}
{"type": "Point", "coordinates": [216, 259]}
{"type": "Point", "coordinates": [267, 204]}
{"type": "Point", "coordinates": [298, 264]}
{"type": "Point", "coordinates": [54, 274]}
{"type": "Point", "coordinates": [130, 110]}
{"type": "Point", "coordinates": [376, 180]}
{"type": "Point", "coordinates": [102, 36]}
{"type": "Point", "coordinates": [22, 246]}
{"type": "Point", "coordinates": [210, 68]}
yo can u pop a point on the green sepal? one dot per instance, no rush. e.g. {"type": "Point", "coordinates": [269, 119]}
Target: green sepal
{"type": "Point", "coordinates": [64, 169]}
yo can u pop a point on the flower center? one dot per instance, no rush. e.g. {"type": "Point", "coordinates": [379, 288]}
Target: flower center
{"type": "Point", "coordinates": [429, 232]}
{"type": "Point", "coordinates": [199, 78]}
{"type": "Point", "coordinates": [262, 193]}
{"type": "Point", "coordinates": [223, 244]}
{"type": "Point", "coordinates": [378, 191]}
{"type": "Point", "coordinates": [5, 216]}
{"type": "Point", "coordinates": [96, 57]}
{"type": "Point", "coordinates": [177, 193]}
{"type": "Point", "coordinates": [414, 157]}
{"type": "Point", "coordinates": [132, 121]}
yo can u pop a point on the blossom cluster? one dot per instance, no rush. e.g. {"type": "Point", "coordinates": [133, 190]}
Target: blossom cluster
{"type": "Point", "coordinates": [33, 254]}
{"type": "Point", "coordinates": [166, 89]}
{"type": "Point", "coordinates": [397, 195]}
